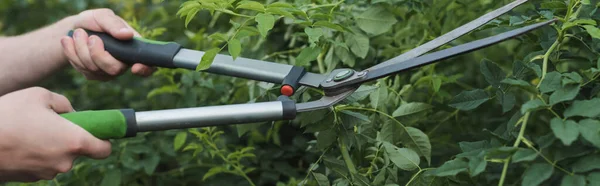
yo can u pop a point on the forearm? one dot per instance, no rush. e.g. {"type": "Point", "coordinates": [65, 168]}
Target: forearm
{"type": "Point", "coordinates": [27, 59]}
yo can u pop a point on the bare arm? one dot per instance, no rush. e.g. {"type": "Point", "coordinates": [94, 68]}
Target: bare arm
{"type": "Point", "coordinates": [29, 58]}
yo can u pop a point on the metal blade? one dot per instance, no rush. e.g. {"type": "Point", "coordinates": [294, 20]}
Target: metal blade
{"type": "Point", "coordinates": [324, 102]}
{"type": "Point", "coordinates": [328, 101]}
{"type": "Point", "coordinates": [450, 36]}
{"type": "Point", "coordinates": [436, 56]}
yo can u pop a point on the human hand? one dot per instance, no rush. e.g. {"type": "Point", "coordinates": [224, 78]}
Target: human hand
{"type": "Point", "coordinates": [87, 54]}
{"type": "Point", "coordinates": [35, 142]}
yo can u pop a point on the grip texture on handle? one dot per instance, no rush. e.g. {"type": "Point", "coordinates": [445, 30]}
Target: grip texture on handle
{"type": "Point", "coordinates": [139, 50]}
{"type": "Point", "coordinates": [105, 124]}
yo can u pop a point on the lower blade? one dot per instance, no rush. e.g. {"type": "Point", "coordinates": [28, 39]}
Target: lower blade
{"type": "Point", "coordinates": [443, 54]}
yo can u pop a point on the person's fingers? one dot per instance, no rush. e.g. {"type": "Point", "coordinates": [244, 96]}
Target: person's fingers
{"type": "Point", "coordinates": [69, 50]}
{"type": "Point", "coordinates": [135, 32]}
{"type": "Point", "coordinates": [83, 51]}
{"type": "Point", "coordinates": [59, 103]}
{"type": "Point", "coordinates": [103, 59]}
{"type": "Point", "coordinates": [113, 24]}
{"type": "Point", "coordinates": [142, 70]}
{"type": "Point", "coordinates": [94, 148]}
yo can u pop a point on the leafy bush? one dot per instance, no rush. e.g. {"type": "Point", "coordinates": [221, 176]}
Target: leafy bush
{"type": "Point", "coordinates": [521, 112]}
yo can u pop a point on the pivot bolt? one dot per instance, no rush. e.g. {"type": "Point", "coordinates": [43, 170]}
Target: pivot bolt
{"type": "Point", "coordinates": [345, 74]}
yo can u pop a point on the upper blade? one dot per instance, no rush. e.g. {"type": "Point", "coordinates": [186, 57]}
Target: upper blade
{"type": "Point", "coordinates": [436, 56]}
{"type": "Point", "coordinates": [452, 35]}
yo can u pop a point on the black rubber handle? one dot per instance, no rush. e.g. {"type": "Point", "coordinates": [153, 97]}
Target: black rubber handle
{"type": "Point", "coordinates": [139, 50]}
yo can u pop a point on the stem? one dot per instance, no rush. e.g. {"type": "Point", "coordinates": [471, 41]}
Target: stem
{"type": "Point", "coordinates": [547, 56]}
{"type": "Point", "coordinates": [516, 144]}
{"type": "Point", "coordinates": [325, 5]}
{"type": "Point", "coordinates": [320, 62]}
{"type": "Point", "coordinates": [441, 122]}
{"type": "Point", "coordinates": [370, 170]}
{"type": "Point", "coordinates": [347, 159]}
{"type": "Point", "coordinates": [417, 174]}
{"type": "Point", "coordinates": [504, 169]}
{"type": "Point", "coordinates": [312, 166]}
{"type": "Point", "coordinates": [548, 160]}
{"type": "Point", "coordinates": [296, 50]}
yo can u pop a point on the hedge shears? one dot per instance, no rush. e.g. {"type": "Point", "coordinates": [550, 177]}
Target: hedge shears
{"type": "Point", "coordinates": [336, 85]}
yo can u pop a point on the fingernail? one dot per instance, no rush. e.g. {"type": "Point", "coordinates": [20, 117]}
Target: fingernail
{"type": "Point", "coordinates": [62, 42]}
{"type": "Point", "coordinates": [124, 30]}
{"type": "Point", "coordinates": [91, 42]}
{"type": "Point", "coordinates": [76, 33]}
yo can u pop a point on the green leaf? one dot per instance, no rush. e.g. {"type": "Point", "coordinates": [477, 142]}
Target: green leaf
{"type": "Point", "coordinates": [279, 11]}
{"type": "Point", "coordinates": [313, 34]}
{"type": "Point", "coordinates": [566, 131]}
{"type": "Point", "coordinates": [281, 5]}
{"type": "Point", "coordinates": [379, 97]}
{"type": "Point", "coordinates": [469, 100]}
{"type": "Point", "coordinates": [326, 138]}
{"type": "Point", "coordinates": [585, 108]}
{"type": "Point", "coordinates": [207, 59]}
{"type": "Point", "coordinates": [376, 20]}
{"type": "Point", "coordinates": [307, 55]}
{"type": "Point", "coordinates": [235, 48]}
{"type": "Point", "coordinates": [466, 146]}
{"type": "Point", "coordinates": [321, 179]}
{"type": "Point", "coordinates": [411, 108]}
{"type": "Point", "coordinates": [190, 15]}
{"type": "Point", "coordinates": [554, 5]}
{"type": "Point", "coordinates": [218, 36]}
{"type": "Point", "coordinates": [179, 140]}
{"type": "Point", "coordinates": [551, 82]}
{"type": "Point", "coordinates": [418, 141]}
{"type": "Point", "coordinates": [533, 105]}
{"type": "Point", "coordinates": [380, 177]}
{"type": "Point", "coordinates": [358, 43]}
{"type": "Point", "coordinates": [213, 171]}
{"type": "Point", "coordinates": [477, 165]}
{"type": "Point", "coordinates": [345, 55]}
{"type": "Point", "coordinates": [150, 163]}
{"type": "Point", "coordinates": [587, 163]}
{"type": "Point", "coordinates": [590, 131]}
{"type": "Point", "coordinates": [111, 178]}
{"type": "Point", "coordinates": [537, 173]}
{"type": "Point", "coordinates": [577, 22]}
{"type": "Point", "coordinates": [436, 82]}
{"type": "Point", "coordinates": [593, 31]}
{"type": "Point", "coordinates": [265, 23]}
{"type": "Point", "coordinates": [575, 180]}
{"type": "Point", "coordinates": [520, 83]}
{"type": "Point", "coordinates": [507, 100]}
{"type": "Point", "coordinates": [167, 89]}
{"type": "Point", "coordinates": [566, 93]}
{"type": "Point", "coordinates": [329, 25]}
{"type": "Point", "coordinates": [594, 178]}
{"type": "Point", "coordinates": [245, 128]}
{"type": "Point", "coordinates": [452, 168]}
{"type": "Point", "coordinates": [572, 78]}
{"type": "Point", "coordinates": [492, 73]}
{"type": "Point", "coordinates": [523, 155]}
{"type": "Point", "coordinates": [403, 158]}
{"type": "Point", "coordinates": [251, 5]}
{"type": "Point", "coordinates": [336, 165]}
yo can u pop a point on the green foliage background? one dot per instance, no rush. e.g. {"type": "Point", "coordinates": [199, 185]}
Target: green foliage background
{"type": "Point", "coordinates": [518, 113]}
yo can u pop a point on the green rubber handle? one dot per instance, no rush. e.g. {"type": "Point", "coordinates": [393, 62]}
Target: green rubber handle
{"type": "Point", "coordinates": [105, 124]}
{"type": "Point", "coordinates": [139, 50]}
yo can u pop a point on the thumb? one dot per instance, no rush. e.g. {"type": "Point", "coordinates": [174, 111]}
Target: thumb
{"type": "Point", "coordinates": [59, 103]}
{"type": "Point", "coordinates": [95, 148]}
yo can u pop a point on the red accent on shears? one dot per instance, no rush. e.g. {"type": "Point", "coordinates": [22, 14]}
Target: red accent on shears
{"type": "Point", "coordinates": [287, 90]}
